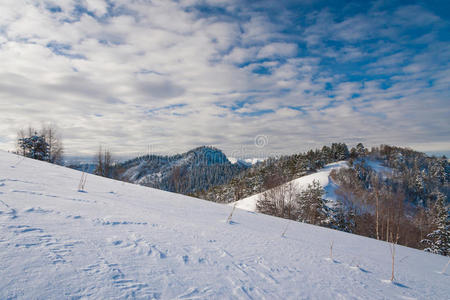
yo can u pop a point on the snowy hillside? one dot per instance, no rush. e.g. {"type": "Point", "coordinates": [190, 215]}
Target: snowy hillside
{"type": "Point", "coordinates": [116, 240]}
{"type": "Point", "coordinates": [299, 184]}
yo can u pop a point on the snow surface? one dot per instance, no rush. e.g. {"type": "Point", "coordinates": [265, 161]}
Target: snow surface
{"type": "Point", "coordinates": [117, 240]}
{"type": "Point", "coordinates": [323, 176]}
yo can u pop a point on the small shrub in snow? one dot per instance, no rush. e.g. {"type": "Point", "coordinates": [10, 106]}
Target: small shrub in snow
{"type": "Point", "coordinates": [229, 219]}
{"type": "Point", "coordinates": [285, 229]}
{"type": "Point", "coordinates": [82, 182]}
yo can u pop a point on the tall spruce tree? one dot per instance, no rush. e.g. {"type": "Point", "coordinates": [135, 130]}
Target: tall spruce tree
{"type": "Point", "coordinates": [311, 207]}
{"type": "Point", "coordinates": [438, 241]}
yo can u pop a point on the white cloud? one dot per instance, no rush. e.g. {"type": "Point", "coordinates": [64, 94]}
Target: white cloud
{"type": "Point", "coordinates": [241, 55]}
{"type": "Point", "coordinates": [98, 7]}
{"type": "Point", "coordinates": [275, 50]}
{"type": "Point", "coordinates": [163, 75]}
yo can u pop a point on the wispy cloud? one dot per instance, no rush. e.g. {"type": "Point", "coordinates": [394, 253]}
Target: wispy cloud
{"type": "Point", "coordinates": [178, 74]}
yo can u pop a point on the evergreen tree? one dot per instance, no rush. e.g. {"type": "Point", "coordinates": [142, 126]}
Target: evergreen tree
{"type": "Point", "coordinates": [35, 147]}
{"type": "Point", "coordinates": [360, 150]}
{"type": "Point", "coordinates": [340, 151]}
{"type": "Point", "coordinates": [45, 145]}
{"type": "Point", "coordinates": [265, 205]}
{"type": "Point", "coordinates": [326, 154]}
{"type": "Point", "coordinates": [310, 203]}
{"type": "Point", "coordinates": [342, 219]}
{"type": "Point", "coordinates": [437, 170]}
{"type": "Point", "coordinates": [419, 187]}
{"type": "Point", "coordinates": [438, 241]}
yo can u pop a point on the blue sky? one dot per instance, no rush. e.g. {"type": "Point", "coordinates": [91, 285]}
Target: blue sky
{"type": "Point", "coordinates": [171, 75]}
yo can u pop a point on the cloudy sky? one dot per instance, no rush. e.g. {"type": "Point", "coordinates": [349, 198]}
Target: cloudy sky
{"type": "Point", "coordinates": [166, 76]}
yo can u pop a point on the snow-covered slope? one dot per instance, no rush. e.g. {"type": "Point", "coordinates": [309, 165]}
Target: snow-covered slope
{"type": "Point", "coordinates": [323, 176]}
{"type": "Point", "coordinates": [118, 240]}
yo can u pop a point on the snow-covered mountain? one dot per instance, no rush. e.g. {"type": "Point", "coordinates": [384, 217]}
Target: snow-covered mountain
{"type": "Point", "coordinates": [115, 240]}
{"type": "Point", "coordinates": [197, 169]}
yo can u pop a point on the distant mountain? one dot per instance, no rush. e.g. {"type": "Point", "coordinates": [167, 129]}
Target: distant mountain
{"type": "Point", "coordinates": [83, 167]}
{"type": "Point", "coordinates": [196, 170]}
{"type": "Point", "coordinates": [246, 161]}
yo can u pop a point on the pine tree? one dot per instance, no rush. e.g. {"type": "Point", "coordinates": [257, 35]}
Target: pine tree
{"type": "Point", "coordinates": [311, 207]}
{"type": "Point", "coordinates": [265, 205]}
{"type": "Point", "coordinates": [437, 170]}
{"type": "Point", "coordinates": [342, 219]}
{"type": "Point", "coordinates": [340, 151]}
{"type": "Point", "coordinates": [360, 150]}
{"type": "Point", "coordinates": [45, 145]}
{"type": "Point", "coordinates": [35, 147]}
{"type": "Point", "coordinates": [438, 240]}
{"type": "Point", "coordinates": [419, 187]}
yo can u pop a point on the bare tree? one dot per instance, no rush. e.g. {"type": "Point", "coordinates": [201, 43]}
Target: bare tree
{"type": "Point", "coordinates": [21, 134]}
{"type": "Point", "coordinates": [100, 169]}
{"type": "Point", "coordinates": [376, 194]}
{"type": "Point", "coordinates": [104, 161]}
{"type": "Point", "coordinates": [392, 243]}
{"type": "Point", "coordinates": [108, 163]}
{"type": "Point", "coordinates": [55, 145]}
{"type": "Point", "coordinates": [290, 200]}
{"type": "Point", "coordinates": [176, 179]}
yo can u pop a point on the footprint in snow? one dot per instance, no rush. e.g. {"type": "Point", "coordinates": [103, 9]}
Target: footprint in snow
{"type": "Point", "coordinates": [73, 217]}
{"type": "Point", "coordinates": [117, 243]}
{"type": "Point", "coordinates": [11, 213]}
{"type": "Point", "coordinates": [359, 269]}
{"type": "Point", "coordinates": [38, 210]}
{"type": "Point", "coordinates": [185, 259]}
{"type": "Point", "coordinates": [195, 293]}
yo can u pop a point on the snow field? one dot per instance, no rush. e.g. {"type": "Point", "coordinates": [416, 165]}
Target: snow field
{"type": "Point", "coordinates": [121, 241]}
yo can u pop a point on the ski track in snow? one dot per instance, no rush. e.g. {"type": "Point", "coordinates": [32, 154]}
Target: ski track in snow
{"type": "Point", "coordinates": [140, 243]}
